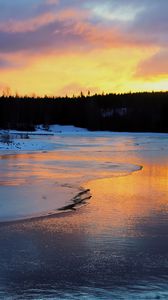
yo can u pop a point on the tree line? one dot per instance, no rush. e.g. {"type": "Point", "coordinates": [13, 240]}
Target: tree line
{"type": "Point", "coordinates": [114, 112]}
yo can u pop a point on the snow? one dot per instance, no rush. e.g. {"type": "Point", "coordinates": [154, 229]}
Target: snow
{"type": "Point", "coordinates": [41, 139]}
{"type": "Point", "coordinates": [38, 140]}
{"type": "Point", "coordinates": [66, 129]}
{"type": "Point", "coordinates": [18, 144]}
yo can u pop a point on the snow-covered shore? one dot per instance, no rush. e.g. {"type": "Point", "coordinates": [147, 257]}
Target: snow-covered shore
{"type": "Point", "coordinates": [38, 140]}
{"type": "Point", "coordinates": [42, 140]}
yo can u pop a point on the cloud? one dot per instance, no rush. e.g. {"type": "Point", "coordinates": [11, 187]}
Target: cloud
{"type": "Point", "coordinates": [152, 25]}
{"type": "Point", "coordinates": [157, 65]}
{"type": "Point", "coordinates": [33, 24]}
{"type": "Point", "coordinates": [66, 29]}
{"type": "Point", "coordinates": [10, 63]}
{"type": "Point", "coordinates": [57, 37]}
{"type": "Point", "coordinates": [42, 20]}
{"type": "Point", "coordinates": [84, 25]}
{"type": "Point", "coordinates": [51, 2]}
{"type": "Point", "coordinates": [4, 64]}
{"type": "Point", "coordinates": [18, 9]}
{"type": "Point", "coordinates": [40, 29]}
{"type": "Point", "coordinates": [53, 31]}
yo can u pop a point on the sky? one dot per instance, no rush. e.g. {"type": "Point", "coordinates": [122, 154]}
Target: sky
{"type": "Point", "coordinates": [63, 47]}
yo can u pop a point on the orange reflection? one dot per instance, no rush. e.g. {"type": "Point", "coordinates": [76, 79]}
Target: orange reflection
{"type": "Point", "coordinates": [123, 201]}
{"type": "Point", "coordinates": [119, 204]}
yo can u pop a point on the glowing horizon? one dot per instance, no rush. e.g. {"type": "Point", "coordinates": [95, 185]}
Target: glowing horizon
{"type": "Point", "coordinates": [60, 47]}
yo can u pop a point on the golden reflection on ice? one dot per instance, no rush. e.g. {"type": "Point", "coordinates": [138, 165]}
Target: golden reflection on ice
{"type": "Point", "coordinates": [119, 198]}
{"type": "Point", "coordinates": [119, 204]}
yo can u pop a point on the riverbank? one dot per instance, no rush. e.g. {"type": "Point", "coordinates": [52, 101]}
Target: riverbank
{"type": "Point", "coordinates": [42, 139]}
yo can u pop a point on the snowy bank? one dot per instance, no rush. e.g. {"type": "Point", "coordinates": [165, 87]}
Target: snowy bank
{"type": "Point", "coordinates": [50, 139]}
{"type": "Point", "coordinates": [38, 140]}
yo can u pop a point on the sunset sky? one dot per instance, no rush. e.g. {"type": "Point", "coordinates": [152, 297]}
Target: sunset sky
{"type": "Point", "coordinates": [59, 47]}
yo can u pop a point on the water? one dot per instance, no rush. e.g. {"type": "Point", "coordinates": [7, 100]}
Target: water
{"type": "Point", "coordinates": [115, 246]}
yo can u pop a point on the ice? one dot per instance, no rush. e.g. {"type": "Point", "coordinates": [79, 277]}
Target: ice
{"type": "Point", "coordinates": [43, 173]}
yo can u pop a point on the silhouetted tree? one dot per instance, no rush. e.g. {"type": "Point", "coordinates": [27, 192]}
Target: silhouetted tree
{"type": "Point", "coordinates": [122, 112]}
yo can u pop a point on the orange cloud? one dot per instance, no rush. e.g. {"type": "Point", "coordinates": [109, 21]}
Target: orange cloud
{"type": "Point", "coordinates": [154, 66]}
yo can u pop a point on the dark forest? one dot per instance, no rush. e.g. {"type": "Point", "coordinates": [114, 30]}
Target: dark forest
{"type": "Point", "coordinates": [138, 112]}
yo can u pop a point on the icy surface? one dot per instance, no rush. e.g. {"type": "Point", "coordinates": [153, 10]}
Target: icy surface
{"type": "Point", "coordinates": [115, 247]}
{"type": "Point", "coordinates": [40, 174]}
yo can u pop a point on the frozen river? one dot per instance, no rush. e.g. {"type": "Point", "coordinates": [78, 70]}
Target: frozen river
{"type": "Point", "coordinates": [39, 183]}
{"type": "Point", "coordinates": [113, 247]}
